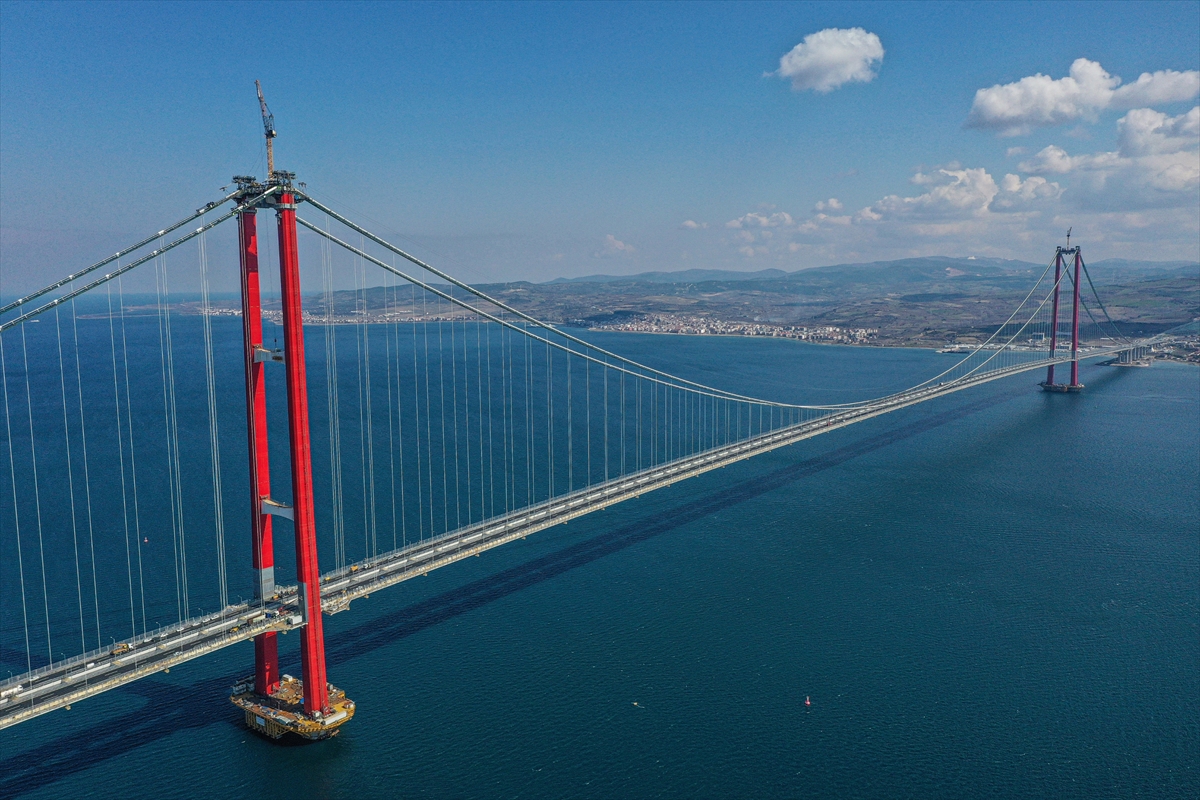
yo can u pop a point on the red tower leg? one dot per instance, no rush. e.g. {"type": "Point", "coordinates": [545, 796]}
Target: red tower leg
{"type": "Point", "coordinates": [1075, 322]}
{"type": "Point", "coordinates": [266, 659]}
{"type": "Point", "coordinates": [312, 643]}
{"type": "Point", "coordinates": [1054, 316]}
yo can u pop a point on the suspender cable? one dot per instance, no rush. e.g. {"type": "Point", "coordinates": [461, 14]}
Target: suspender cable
{"type": "Point", "coordinates": [606, 426]}
{"type": "Point", "coordinates": [62, 380]}
{"type": "Point", "coordinates": [570, 432]}
{"type": "Point", "coordinates": [12, 469]}
{"type": "Point", "coordinates": [370, 433]}
{"type": "Point", "coordinates": [483, 510]}
{"type": "Point", "coordinates": [441, 348]}
{"type": "Point", "coordinates": [387, 354]}
{"type": "Point", "coordinates": [467, 425]}
{"type": "Point", "coordinates": [210, 378]}
{"type": "Point", "coordinates": [360, 312]}
{"type": "Point", "coordinates": [170, 409]}
{"type": "Point", "coordinates": [87, 481]}
{"type": "Point", "coordinates": [133, 474]}
{"type": "Point", "coordinates": [417, 418]}
{"type": "Point", "coordinates": [587, 393]}
{"type": "Point", "coordinates": [508, 421]}
{"type": "Point", "coordinates": [399, 413]}
{"type": "Point", "coordinates": [37, 495]}
{"type": "Point", "coordinates": [428, 412]}
{"type": "Point", "coordinates": [121, 454]}
{"type": "Point", "coordinates": [454, 417]}
{"type": "Point", "coordinates": [333, 405]}
{"type": "Point", "coordinates": [491, 434]}
{"type": "Point", "coordinates": [531, 423]}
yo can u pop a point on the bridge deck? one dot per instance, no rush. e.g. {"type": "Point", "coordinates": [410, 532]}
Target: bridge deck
{"type": "Point", "coordinates": [63, 683]}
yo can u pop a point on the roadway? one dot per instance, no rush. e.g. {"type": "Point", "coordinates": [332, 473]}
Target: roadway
{"type": "Point", "coordinates": [60, 684]}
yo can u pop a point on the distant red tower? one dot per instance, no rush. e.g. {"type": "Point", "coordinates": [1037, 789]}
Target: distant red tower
{"type": "Point", "coordinates": [1074, 386]}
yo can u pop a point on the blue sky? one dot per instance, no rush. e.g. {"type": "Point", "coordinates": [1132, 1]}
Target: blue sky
{"type": "Point", "coordinates": [533, 141]}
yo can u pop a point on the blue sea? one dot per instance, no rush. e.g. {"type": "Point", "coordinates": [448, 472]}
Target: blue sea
{"type": "Point", "coordinates": [995, 594]}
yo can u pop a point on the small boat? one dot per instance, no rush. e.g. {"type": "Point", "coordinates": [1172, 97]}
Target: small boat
{"type": "Point", "coordinates": [807, 700]}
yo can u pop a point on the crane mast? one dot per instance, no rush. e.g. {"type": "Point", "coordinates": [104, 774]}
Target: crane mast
{"type": "Point", "coordinates": [268, 128]}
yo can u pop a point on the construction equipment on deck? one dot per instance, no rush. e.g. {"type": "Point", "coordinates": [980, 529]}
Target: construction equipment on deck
{"type": "Point", "coordinates": [268, 128]}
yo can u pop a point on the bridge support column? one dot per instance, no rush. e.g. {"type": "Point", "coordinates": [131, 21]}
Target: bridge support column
{"type": "Point", "coordinates": [1074, 386]}
{"type": "Point", "coordinates": [266, 659]}
{"type": "Point", "coordinates": [1075, 324]}
{"type": "Point", "coordinates": [312, 643]}
{"type": "Point", "coordinates": [1058, 263]}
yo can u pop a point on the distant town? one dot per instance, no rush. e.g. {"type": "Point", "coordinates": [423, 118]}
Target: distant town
{"type": "Point", "coordinates": [947, 304]}
{"type": "Point", "coordinates": [1184, 347]}
{"type": "Point", "coordinates": [701, 326]}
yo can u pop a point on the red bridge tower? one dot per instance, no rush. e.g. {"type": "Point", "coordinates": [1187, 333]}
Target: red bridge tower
{"type": "Point", "coordinates": [1074, 386]}
{"type": "Point", "coordinates": [275, 704]}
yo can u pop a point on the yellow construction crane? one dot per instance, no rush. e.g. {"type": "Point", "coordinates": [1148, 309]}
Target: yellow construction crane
{"type": "Point", "coordinates": [268, 129]}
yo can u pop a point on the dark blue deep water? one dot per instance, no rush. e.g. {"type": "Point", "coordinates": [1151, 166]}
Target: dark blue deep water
{"type": "Point", "coordinates": [994, 595]}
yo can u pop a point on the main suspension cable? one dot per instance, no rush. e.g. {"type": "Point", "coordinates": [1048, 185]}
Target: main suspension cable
{"type": "Point", "coordinates": [131, 265]}
{"type": "Point", "coordinates": [501, 305]}
{"type": "Point", "coordinates": [524, 331]}
{"type": "Point", "coordinates": [120, 254]}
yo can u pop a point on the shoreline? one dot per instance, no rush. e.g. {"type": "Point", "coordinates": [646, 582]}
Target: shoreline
{"type": "Point", "coordinates": [818, 335]}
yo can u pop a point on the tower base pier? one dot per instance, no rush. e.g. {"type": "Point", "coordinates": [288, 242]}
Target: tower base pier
{"type": "Point", "coordinates": [282, 711]}
{"type": "Point", "coordinates": [1061, 387]}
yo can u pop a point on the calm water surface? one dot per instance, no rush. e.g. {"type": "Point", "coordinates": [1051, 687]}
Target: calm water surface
{"type": "Point", "coordinates": [994, 594]}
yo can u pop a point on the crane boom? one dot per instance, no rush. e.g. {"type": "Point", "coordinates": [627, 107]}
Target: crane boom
{"type": "Point", "coordinates": [268, 128]}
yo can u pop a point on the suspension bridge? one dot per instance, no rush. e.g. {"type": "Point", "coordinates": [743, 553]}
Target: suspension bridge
{"type": "Point", "coordinates": [449, 423]}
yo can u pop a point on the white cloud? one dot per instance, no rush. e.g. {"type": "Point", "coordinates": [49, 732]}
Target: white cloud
{"type": "Point", "coordinates": [1144, 131]}
{"type": "Point", "coordinates": [819, 220]}
{"type": "Point", "coordinates": [955, 193]}
{"type": "Point", "coordinates": [1157, 164]}
{"type": "Point", "coordinates": [956, 206]}
{"type": "Point", "coordinates": [1038, 100]}
{"type": "Point", "coordinates": [1154, 89]}
{"type": "Point", "coordinates": [1017, 194]}
{"type": "Point", "coordinates": [692, 225]}
{"type": "Point", "coordinates": [962, 195]}
{"type": "Point", "coordinates": [759, 220]}
{"type": "Point", "coordinates": [830, 58]}
{"type": "Point", "coordinates": [1016, 108]}
{"type": "Point", "coordinates": [615, 247]}
{"type": "Point", "coordinates": [1142, 194]}
{"type": "Point", "coordinates": [967, 211]}
{"type": "Point", "coordinates": [1053, 160]}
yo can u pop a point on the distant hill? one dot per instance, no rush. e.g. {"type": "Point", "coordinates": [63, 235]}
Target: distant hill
{"type": "Point", "coordinates": [901, 271]}
{"type": "Point", "coordinates": [873, 272]}
{"type": "Point", "coordinates": [1118, 270]}
{"type": "Point", "coordinates": [914, 270]}
{"type": "Point", "coordinates": [913, 301]}
{"type": "Point", "coordinates": [681, 276]}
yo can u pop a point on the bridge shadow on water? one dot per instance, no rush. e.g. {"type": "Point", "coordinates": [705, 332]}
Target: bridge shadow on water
{"type": "Point", "coordinates": [170, 708]}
